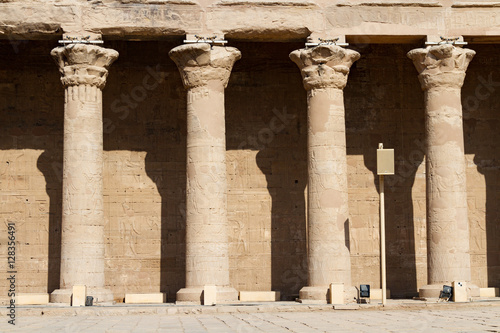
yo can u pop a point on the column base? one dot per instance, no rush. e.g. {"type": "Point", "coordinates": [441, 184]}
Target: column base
{"type": "Point", "coordinates": [433, 290]}
{"type": "Point", "coordinates": [101, 295]}
{"type": "Point", "coordinates": [194, 295]}
{"type": "Point", "coordinates": [321, 295]}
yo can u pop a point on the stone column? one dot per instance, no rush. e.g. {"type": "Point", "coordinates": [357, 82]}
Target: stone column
{"type": "Point", "coordinates": [441, 73]}
{"type": "Point", "coordinates": [205, 73]}
{"type": "Point", "coordinates": [83, 74]}
{"type": "Point", "coordinates": [325, 69]}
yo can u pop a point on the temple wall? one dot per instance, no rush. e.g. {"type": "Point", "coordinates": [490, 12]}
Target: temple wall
{"type": "Point", "coordinates": [266, 133]}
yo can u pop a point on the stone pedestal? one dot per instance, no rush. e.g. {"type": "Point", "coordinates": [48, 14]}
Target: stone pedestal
{"type": "Point", "coordinates": [441, 73]}
{"type": "Point", "coordinates": [84, 70]}
{"type": "Point", "coordinates": [325, 69]}
{"type": "Point", "coordinates": [205, 73]}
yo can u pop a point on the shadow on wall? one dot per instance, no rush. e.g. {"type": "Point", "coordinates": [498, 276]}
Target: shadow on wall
{"type": "Point", "coordinates": [140, 122]}
{"type": "Point", "coordinates": [145, 110]}
{"type": "Point", "coordinates": [266, 112]}
{"type": "Point", "coordinates": [481, 103]}
{"type": "Point", "coordinates": [265, 115]}
{"type": "Point", "coordinates": [49, 163]}
{"type": "Point", "coordinates": [384, 104]}
{"type": "Point", "coordinates": [31, 104]}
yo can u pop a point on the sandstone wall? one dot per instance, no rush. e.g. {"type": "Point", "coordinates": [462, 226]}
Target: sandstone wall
{"type": "Point", "coordinates": [144, 149]}
{"type": "Point", "coordinates": [376, 20]}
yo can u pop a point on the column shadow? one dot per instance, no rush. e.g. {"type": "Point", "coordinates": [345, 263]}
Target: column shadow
{"type": "Point", "coordinates": [389, 110]}
{"type": "Point", "coordinates": [50, 164]}
{"type": "Point", "coordinates": [288, 246]}
{"type": "Point", "coordinates": [488, 166]}
{"type": "Point", "coordinates": [31, 104]}
{"type": "Point", "coordinates": [172, 189]}
{"type": "Point", "coordinates": [480, 101]}
{"type": "Point", "coordinates": [273, 124]}
{"type": "Point", "coordinates": [152, 120]}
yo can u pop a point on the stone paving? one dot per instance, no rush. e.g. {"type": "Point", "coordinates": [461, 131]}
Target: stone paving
{"type": "Point", "coordinates": [483, 319]}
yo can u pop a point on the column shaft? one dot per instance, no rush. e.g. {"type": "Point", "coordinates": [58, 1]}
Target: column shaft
{"type": "Point", "coordinates": [441, 73]}
{"type": "Point", "coordinates": [205, 72]}
{"type": "Point", "coordinates": [324, 70]}
{"type": "Point", "coordinates": [448, 225]}
{"type": "Point", "coordinates": [82, 241]}
{"type": "Point", "coordinates": [83, 73]}
{"type": "Point", "coordinates": [328, 256]}
{"type": "Point", "coordinates": [207, 258]}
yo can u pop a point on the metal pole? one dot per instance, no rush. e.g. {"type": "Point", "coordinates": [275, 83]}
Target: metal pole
{"type": "Point", "coordinates": [382, 239]}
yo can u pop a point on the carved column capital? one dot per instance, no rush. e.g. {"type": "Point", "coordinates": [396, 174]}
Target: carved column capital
{"type": "Point", "coordinates": [441, 65]}
{"type": "Point", "coordinates": [201, 63]}
{"type": "Point", "coordinates": [83, 64]}
{"type": "Point", "coordinates": [324, 65]}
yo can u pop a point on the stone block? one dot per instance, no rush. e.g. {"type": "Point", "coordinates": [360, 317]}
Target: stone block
{"type": "Point", "coordinates": [337, 293]}
{"type": "Point", "coordinates": [489, 292]}
{"type": "Point", "coordinates": [377, 294]}
{"type": "Point", "coordinates": [79, 296]}
{"type": "Point", "coordinates": [459, 291]}
{"type": "Point", "coordinates": [346, 307]}
{"type": "Point", "coordinates": [150, 298]}
{"type": "Point", "coordinates": [259, 296]}
{"type": "Point", "coordinates": [209, 295]}
{"type": "Point", "coordinates": [32, 299]}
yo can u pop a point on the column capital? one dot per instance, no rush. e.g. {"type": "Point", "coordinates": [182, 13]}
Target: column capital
{"type": "Point", "coordinates": [441, 65]}
{"type": "Point", "coordinates": [83, 64]}
{"type": "Point", "coordinates": [324, 65]}
{"type": "Point", "coordinates": [201, 63]}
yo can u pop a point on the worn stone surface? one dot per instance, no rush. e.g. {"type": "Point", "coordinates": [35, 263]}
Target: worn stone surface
{"type": "Point", "coordinates": [153, 298]}
{"type": "Point", "coordinates": [372, 20]}
{"type": "Point", "coordinates": [32, 299]}
{"type": "Point", "coordinates": [83, 70]}
{"type": "Point", "coordinates": [441, 73]}
{"type": "Point", "coordinates": [205, 71]}
{"type": "Point", "coordinates": [447, 318]}
{"type": "Point", "coordinates": [324, 71]}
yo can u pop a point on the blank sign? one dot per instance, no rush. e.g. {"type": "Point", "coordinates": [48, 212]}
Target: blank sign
{"type": "Point", "coordinates": [385, 161]}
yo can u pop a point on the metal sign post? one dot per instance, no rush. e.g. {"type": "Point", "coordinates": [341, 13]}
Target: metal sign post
{"type": "Point", "coordinates": [385, 166]}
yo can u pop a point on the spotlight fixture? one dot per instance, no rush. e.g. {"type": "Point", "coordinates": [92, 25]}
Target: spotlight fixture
{"type": "Point", "coordinates": [89, 301]}
{"type": "Point", "coordinates": [446, 293]}
{"type": "Point", "coordinates": [364, 290]}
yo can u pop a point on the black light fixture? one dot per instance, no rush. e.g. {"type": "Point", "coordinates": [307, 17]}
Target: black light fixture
{"type": "Point", "coordinates": [446, 292]}
{"type": "Point", "coordinates": [89, 301]}
{"type": "Point", "coordinates": [364, 290]}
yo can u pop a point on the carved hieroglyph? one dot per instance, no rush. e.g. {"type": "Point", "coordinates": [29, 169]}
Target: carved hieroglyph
{"type": "Point", "coordinates": [441, 73]}
{"type": "Point", "coordinates": [83, 74]}
{"type": "Point", "coordinates": [325, 69]}
{"type": "Point", "coordinates": [205, 73]}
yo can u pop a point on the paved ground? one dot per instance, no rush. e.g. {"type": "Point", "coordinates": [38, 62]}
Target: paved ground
{"type": "Point", "coordinates": [485, 319]}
